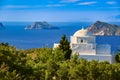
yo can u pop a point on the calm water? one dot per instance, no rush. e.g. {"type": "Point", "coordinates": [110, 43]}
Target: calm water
{"type": "Point", "coordinates": [15, 35]}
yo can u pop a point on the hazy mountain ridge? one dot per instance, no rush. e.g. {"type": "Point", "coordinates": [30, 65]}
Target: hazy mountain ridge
{"type": "Point", "coordinates": [40, 25]}
{"type": "Point", "coordinates": [103, 28]}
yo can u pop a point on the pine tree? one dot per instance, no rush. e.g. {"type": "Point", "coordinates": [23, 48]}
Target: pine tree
{"type": "Point", "coordinates": [65, 47]}
{"type": "Point", "coordinates": [117, 57]}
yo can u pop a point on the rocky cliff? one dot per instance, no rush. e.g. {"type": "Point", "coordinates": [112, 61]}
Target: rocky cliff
{"type": "Point", "coordinates": [1, 26]}
{"type": "Point", "coordinates": [103, 28]}
{"type": "Point", "coordinates": [40, 25]}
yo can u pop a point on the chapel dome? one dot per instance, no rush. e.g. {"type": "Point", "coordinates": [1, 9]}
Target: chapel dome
{"type": "Point", "coordinates": [82, 32]}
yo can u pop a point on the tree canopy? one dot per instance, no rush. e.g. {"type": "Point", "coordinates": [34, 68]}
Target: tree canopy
{"type": "Point", "coordinates": [50, 64]}
{"type": "Point", "coordinates": [117, 57]}
{"type": "Point", "coordinates": [65, 47]}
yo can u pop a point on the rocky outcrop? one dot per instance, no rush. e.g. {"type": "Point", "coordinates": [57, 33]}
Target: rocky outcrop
{"type": "Point", "coordinates": [103, 28]}
{"type": "Point", "coordinates": [40, 25]}
{"type": "Point", "coordinates": [1, 26]}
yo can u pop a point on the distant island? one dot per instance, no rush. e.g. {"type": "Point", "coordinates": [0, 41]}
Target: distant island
{"type": "Point", "coordinates": [40, 25]}
{"type": "Point", "coordinates": [1, 25]}
{"type": "Point", "coordinates": [104, 29]}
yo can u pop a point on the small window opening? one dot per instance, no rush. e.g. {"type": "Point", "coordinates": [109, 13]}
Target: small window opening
{"type": "Point", "coordinates": [81, 41]}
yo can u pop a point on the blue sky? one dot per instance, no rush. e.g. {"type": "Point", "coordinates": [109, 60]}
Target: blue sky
{"type": "Point", "coordinates": [60, 10]}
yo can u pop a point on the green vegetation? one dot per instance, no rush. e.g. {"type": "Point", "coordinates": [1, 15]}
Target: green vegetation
{"type": "Point", "coordinates": [65, 47]}
{"type": "Point", "coordinates": [117, 57]}
{"type": "Point", "coordinates": [52, 64]}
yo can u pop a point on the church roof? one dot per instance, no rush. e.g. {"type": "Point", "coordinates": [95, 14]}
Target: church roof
{"type": "Point", "coordinates": [82, 32]}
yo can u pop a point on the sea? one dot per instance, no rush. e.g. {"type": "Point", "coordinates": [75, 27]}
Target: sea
{"type": "Point", "coordinates": [15, 34]}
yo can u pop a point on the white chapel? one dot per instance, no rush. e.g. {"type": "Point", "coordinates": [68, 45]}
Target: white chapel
{"type": "Point", "coordinates": [84, 44]}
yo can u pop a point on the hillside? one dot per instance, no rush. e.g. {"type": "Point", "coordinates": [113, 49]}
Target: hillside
{"type": "Point", "coordinates": [49, 64]}
{"type": "Point", "coordinates": [40, 25]}
{"type": "Point", "coordinates": [1, 26]}
{"type": "Point", "coordinates": [103, 28]}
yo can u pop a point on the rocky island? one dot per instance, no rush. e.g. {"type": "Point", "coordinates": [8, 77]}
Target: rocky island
{"type": "Point", "coordinates": [1, 26]}
{"type": "Point", "coordinates": [40, 25]}
{"type": "Point", "coordinates": [104, 29]}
